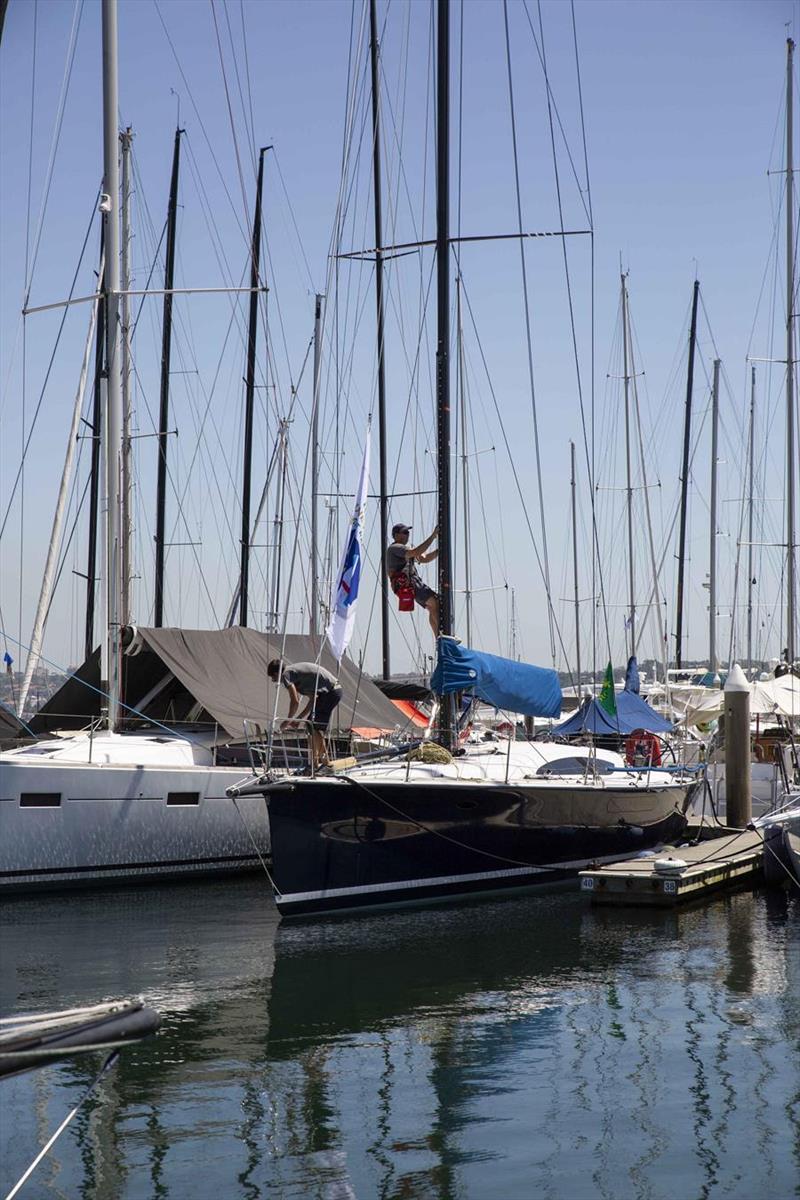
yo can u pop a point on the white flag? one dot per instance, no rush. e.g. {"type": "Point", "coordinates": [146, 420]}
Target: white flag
{"type": "Point", "coordinates": [346, 584]}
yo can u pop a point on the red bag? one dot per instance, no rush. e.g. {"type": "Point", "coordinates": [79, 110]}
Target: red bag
{"type": "Point", "coordinates": [401, 586]}
{"type": "Point", "coordinates": [405, 598]}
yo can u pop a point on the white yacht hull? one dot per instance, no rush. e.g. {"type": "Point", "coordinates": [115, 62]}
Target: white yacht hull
{"type": "Point", "coordinates": [85, 824]}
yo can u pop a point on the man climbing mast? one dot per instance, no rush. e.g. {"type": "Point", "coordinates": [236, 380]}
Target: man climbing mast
{"type": "Point", "coordinates": [401, 569]}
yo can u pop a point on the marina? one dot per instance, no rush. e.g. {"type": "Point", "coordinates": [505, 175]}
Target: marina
{"type": "Point", "coordinates": [341, 854]}
{"type": "Point", "coordinates": [498, 1048]}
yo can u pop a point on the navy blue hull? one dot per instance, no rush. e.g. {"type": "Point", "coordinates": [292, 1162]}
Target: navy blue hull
{"type": "Point", "coordinates": [339, 845]}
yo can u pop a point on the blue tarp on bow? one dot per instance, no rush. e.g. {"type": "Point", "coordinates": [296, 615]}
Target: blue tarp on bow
{"type": "Point", "coordinates": [516, 686]}
{"type": "Point", "coordinates": [632, 713]}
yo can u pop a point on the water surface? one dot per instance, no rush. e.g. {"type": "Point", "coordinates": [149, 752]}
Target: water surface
{"type": "Point", "coordinates": [515, 1048]}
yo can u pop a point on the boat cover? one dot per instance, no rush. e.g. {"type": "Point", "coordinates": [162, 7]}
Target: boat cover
{"type": "Point", "coordinates": [224, 671]}
{"type": "Point", "coordinates": [516, 686]}
{"type": "Point", "coordinates": [632, 713]}
{"type": "Point", "coordinates": [11, 728]}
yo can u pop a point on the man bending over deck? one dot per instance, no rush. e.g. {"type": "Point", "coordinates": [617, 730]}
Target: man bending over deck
{"type": "Point", "coordinates": [400, 560]}
{"type": "Point", "coordinates": [322, 693]}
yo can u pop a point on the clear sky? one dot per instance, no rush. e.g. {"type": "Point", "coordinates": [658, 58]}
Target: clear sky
{"type": "Point", "coordinates": [683, 106]}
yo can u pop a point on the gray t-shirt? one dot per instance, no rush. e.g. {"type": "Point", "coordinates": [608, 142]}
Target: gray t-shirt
{"type": "Point", "coordinates": [396, 561]}
{"type": "Point", "coordinates": [304, 676]}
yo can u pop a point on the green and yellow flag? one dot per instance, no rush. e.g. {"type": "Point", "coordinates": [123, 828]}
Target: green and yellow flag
{"type": "Point", "coordinates": [608, 700]}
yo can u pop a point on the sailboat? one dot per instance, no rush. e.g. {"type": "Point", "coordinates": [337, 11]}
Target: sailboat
{"type": "Point", "coordinates": [451, 821]}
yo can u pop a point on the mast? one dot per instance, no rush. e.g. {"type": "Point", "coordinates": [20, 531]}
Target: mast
{"type": "Point", "coordinates": [250, 385]}
{"type": "Point", "coordinates": [750, 464]}
{"type": "Point", "coordinates": [628, 487]}
{"type": "Point", "coordinates": [277, 526]}
{"type": "Point", "coordinates": [125, 139]}
{"type": "Point", "coordinates": [575, 567]}
{"type": "Point", "coordinates": [112, 425]}
{"type": "Point", "coordinates": [687, 435]}
{"type": "Point", "coordinates": [379, 306]}
{"type": "Point", "coordinates": [163, 416]}
{"type": "Point", "coordinates": [790, 315]}
{"type": "Point", "coordinates": [94, 468]}
{"type": "Point", "coordinates": [313, 616]}
{"type": "Point", "coordinates": [443, 331]}
{"type": "Point", "coordinates": [712, 564]}
{"type": "Point", "coordinates": [464, 468]}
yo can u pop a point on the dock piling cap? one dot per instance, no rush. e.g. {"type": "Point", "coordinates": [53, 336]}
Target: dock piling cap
{"type": "Point", "coordinates": [737, 680]}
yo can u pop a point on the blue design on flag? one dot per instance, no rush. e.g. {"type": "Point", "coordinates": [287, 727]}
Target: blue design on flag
{"type": "Point", "coordinates": [348, 579]}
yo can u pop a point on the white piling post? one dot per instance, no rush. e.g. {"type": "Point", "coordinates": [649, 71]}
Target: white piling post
{"type": "Point", "coordinates": [738, 785]}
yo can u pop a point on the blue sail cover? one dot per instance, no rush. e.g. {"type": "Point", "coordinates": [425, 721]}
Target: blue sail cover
{"type": "Point", "coordinates": [516, 686]}
{"type": "Point", "coordinates": [632, 713]}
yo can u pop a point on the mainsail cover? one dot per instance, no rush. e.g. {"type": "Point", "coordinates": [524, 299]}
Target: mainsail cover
{"type": "Point", "coordinates": [516, 686]}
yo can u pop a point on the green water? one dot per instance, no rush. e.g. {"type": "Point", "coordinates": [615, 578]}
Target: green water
{"type": "Point", "coordinates": [530, 1047]}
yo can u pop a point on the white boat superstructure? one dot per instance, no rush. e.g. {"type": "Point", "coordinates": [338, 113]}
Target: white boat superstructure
{"type": "Point", "coordinates": [102, 807]}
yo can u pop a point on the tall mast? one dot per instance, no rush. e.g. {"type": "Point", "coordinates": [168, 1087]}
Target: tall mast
{"type": "Point", "coordinates": [163, 416]}
{"type": "Point", "coordinates": [575, 566]}
{"type": "Point", "coordinates": [443, 330]}
{"type": "Point", "coordinates": [377, 194]}
{"type": "Point", "coordinates": [126, 138]}
{"type": "Point", "coordinates": [462, 397]}
{"type": "Point", "coordinates": [790, 316]}
{"type": "Point", "coordinates": [250, 386]}
{"type": "Point", "coordinates": [277, 526]}
{"type": "Point", "coordinates": [750, 464]}
{"type": "Point", "coordinates": [628, 481]}
{"type": "Point", "coordinates": [313, 616]}
{"type": "Point", "coordinates": [94, 468]}
{"type": "Point", "coordinates": [712, 564]}
{"type": "Point", "coordinates": [112, 425]}
{"type": "Point", "coordinates": [687, 436]}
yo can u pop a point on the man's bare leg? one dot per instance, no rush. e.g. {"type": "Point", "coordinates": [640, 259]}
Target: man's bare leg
{"type": "Point", "coordinates": [318, 748]}
{"type": "Point", "coordinates": [432, 605]}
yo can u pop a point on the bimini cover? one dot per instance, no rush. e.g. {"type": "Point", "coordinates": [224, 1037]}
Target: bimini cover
{"type": "Point", "coordinates": [632, 713]}
{"type": "Point", "coordinates": [502, 682]}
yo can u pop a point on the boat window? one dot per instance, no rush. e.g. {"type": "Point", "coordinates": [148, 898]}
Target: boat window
{"type": "Point", "coordinates": [183, 797]}
{"type": "Point", "coordinates": [40, 799]}
{"type": "Point", "coordinates": [575, 766]}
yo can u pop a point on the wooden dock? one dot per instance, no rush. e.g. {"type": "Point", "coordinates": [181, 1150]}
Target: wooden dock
{"type": "Point", "coordinates": [731, 858]}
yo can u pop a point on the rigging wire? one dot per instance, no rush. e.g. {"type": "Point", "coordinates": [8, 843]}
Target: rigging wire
{"type": "Point", "coordinates": [65, 311]}
{"type": "Point", "coordinates": [528, 337]}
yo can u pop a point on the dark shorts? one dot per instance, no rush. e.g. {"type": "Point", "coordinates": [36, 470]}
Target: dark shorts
{"type": "Point", "coordinates": [321, 713]}
{"type": "Point", "coordinates": [423, 594]}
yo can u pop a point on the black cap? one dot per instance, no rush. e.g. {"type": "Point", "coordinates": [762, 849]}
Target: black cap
{"type": "Point", "coordinates": [400, 529]}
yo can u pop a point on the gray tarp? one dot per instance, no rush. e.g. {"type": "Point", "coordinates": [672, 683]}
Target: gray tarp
{"type": "Point", "coordinates": [226, 672]}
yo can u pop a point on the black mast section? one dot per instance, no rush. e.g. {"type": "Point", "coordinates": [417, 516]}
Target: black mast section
{"type": "Point", "coordinates": [443, 330]}
{"type": "Point", "coordinates": [687, 433]}
{"type": "Point", "coordinates": [94, 470]}
{"type": "Point", "coordinates": [376, 173]}
{"type": "Point", "coordinates": [250, 386]}
{"type": "Point", "coordinates": [163, 416]}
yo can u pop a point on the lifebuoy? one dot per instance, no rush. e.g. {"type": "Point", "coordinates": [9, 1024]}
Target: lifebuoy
{"type": "Point", "coordinates": [643, 749]}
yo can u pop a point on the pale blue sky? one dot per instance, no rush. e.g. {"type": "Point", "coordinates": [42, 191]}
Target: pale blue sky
{"type": "Point", "coordinates": [683, 108]}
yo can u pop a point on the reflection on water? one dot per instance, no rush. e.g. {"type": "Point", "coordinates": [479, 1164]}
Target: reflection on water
{"type": "Point", "coordinates": [530, 1046]}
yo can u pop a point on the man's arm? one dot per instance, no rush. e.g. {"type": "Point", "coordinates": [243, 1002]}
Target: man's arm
{"type": "Point", "coordinates": [429, 557]}
{"type": "Point", "coordinates": [294, 700]}
{"type": "Point", "coordinates": [418, 551]}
